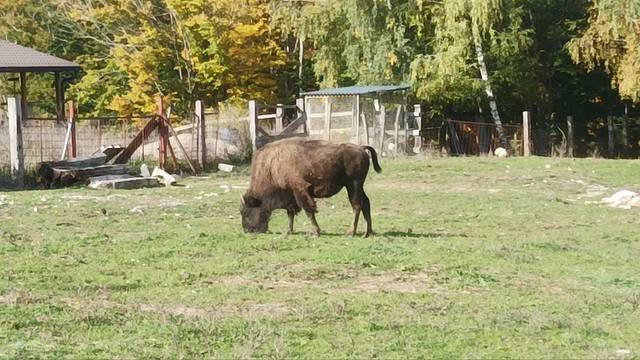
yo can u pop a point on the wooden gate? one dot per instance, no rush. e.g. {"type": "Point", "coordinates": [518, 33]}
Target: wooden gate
{"type": "Point", "coordinates": [271, 123]}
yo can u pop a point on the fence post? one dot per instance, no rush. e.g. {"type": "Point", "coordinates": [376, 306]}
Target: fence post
{"type": "Point", "coordinates": [417, 115]}
{"type": "Point", "coordinates": [327, 118]}
{"type": "Point", "coordinates": [301, 111]}
{"type": "Point", "coordinates": [202, 134]}
{"type": "Point", "coordinates": [16, 148]}
{"type": "Point", "coordinates": [73, 143]}
{"type": "Point", "coordinates": [526, 133]}
{"type": "Point", "coordinates": [396, 128]}
{"type": "Point", "coordinates": [162, 131]}
{"type": "Point", "coordinates": [383, 121]}
{"type": "Point", "coordinates": [610, 129]}
{"type": "Point", "coordinates": [570, 136]}
{"type": "Point", "coordinates": [279, 118]}
{"type": "Point", "coordinates": [625, 131]}
{"type": "Point", "coordinates": [253, 122]}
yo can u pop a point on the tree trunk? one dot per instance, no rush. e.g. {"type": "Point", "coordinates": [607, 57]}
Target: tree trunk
{"type": "Point", "coordinates": [487, 86]}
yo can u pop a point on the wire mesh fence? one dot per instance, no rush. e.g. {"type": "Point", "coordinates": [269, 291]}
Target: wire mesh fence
{"type": "Point", "coordinates": [471, 138]}
{"type": "Point", "coordinates": [44, 139]}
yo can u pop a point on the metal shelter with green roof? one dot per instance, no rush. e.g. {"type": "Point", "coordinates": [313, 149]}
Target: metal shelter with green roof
{"type": "Point", "coordinates": [374, 115]}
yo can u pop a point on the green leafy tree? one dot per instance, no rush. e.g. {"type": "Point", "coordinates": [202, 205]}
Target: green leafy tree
{"type": "Point", "coordinates": [612, 40]}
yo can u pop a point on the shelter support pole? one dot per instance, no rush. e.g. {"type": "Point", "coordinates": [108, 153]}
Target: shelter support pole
{"type": "Point", "coordinates": [253, 122]}
{"type": "Point", "coordinates": [366, 128]}
{"type": "Point", "coordinates": [327, 118]}
{"type": "Point", "coordinates": [396, 128]}
{"type": "Point", "coordinates": [23, 97]}
{"type": "Point", "coordinates": [59, 97]}
{"type": "Point", "coordinates": [610, 131]}
{"type": "Point", "coordinates": [526, 133]}
{"type": "Point", "coordinates": [16, 149]}
{"type": "Point", "coordinates": [202, 134]}
{"type": "Point", "coordinates": [383, 120]}
{"type": "Point", "coordinates": [357, 120]}
{"type": "Point", "coordinates": [570, 137]}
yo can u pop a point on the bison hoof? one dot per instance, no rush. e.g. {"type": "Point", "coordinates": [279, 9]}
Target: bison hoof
{"type": "Point", "coordinates": [350, 233]}
{"type": "Point", "coordinates": [314, 232]}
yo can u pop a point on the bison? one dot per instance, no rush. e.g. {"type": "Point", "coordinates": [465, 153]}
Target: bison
{"type": "Point", "coordinates": [290, 174]}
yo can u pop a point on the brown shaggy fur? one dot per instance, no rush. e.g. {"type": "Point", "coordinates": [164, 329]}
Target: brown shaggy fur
{"type": "Point", "coordinates": [289, 174]}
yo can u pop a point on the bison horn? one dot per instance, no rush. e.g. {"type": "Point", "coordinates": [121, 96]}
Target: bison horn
{"type": "Point", "coordinates": [242, 200]}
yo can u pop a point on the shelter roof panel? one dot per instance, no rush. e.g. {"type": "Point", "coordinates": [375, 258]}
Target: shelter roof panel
{"type": "Point", "coordinates": [16, 58]}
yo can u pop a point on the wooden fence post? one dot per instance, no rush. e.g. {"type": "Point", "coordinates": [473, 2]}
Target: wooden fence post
{"type": "Point", "coordinates": [327, 118]}
{"type": "Point", "coordinates": [383, 121]}
{"type": "Point", "coordinates": [417, 115]}
{"type": "Point", "coordinates": [396, 128]}
{"type": "Point", "coordinates": [570, 136]}
{"type": "Point", "coordinates": [279, 118]}
{"type": "Point", "coordinates": [357, 120]}
{"type": "Point", "coordinates": [301, 111]}
{"type": "Point", "coordinates": [610, 129]}
{"type": "Point", "coordinates": [73, 143]}
{"type": "Point", "coordinates": [16, 148]}
{"type": "Point", "coordinates": [526, 133]}
{"type": "Point", "coordinates": [162, 131]}
{"type": "Point", "coordinates": [253, 122]}
{"type": "Point", "coordinates": [202, 134]}
{"type": "Point", "coordinates": [625, 131]}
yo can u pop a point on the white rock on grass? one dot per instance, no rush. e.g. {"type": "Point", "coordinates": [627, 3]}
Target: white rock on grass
{"type": "Point", "coordinates": [623, 199]}
{"type": "Point", "coordinates": [500, 152]}
{"type": "Point", "coordinates": [225, 167]}
{"type": "Point", "coordinates": [144, 171]}
{"type": "Point", "coordinates": [165, 178]}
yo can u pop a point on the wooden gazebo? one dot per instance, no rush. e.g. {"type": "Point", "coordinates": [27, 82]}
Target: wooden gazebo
{"type": "Point", "coordinates": [22, 60]}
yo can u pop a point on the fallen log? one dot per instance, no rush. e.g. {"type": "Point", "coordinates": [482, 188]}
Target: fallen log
{"type": "Point", "coordinates": [45, 169]}
{"type": "Point", "coordinates": [69, 176]}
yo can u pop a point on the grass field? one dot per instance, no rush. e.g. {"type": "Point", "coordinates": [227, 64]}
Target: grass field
{"type": "Point", "coordinates": [473, 258]}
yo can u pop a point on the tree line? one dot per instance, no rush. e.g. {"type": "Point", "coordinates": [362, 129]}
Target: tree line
{"type": "Point", "coordinates": [496, 57]}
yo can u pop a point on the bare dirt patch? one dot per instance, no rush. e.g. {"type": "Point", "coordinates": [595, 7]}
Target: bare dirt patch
{"type": "Point", "coordinates": [248, 311]}
{"type": "Point", "coordinates": [387, 282]}
{"type": "Point", "coordinates": [390, 281]}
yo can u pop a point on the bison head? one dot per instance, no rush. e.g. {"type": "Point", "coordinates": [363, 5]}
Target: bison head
{"type": "Point", "coordinates": [255, 216]}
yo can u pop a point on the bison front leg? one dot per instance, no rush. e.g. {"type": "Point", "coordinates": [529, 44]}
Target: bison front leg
{"type": "Point", "coordinates": [306, 202]}
{"type": "Point", "coordinates": [292, 214]}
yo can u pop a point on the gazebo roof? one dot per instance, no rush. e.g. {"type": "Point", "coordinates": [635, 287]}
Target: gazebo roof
{"type": "Point", "coordinates": [357, 90]}
{"type": "Point", "coordinates": [15, 58]}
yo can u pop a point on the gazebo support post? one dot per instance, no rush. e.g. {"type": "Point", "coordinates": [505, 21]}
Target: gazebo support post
{"type": "Point", "coordinates": [59, 97]}
{"type": "Point", "coordinates": [23, 97]}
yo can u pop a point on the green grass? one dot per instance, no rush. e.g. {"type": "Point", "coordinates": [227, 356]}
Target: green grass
{"type": "Point", "coordinates": [473, 258]}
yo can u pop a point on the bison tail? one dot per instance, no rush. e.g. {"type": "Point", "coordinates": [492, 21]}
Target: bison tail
{"type": "Point", "coordinates": [374, 158]}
